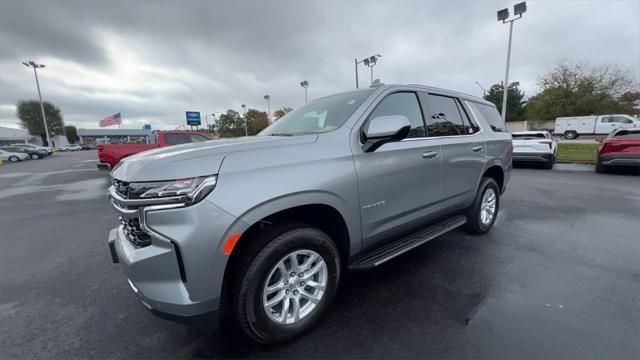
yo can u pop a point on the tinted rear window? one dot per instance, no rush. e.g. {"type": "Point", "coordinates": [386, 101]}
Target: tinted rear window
{"type": "Point", "coordinates": [627, 134]}
{"type": "Point", "coordinates": [528, 136]}
{"type": "Point", "coordinates": [490, 115]}
{"type": "Point", "coordinates": [175, 139]}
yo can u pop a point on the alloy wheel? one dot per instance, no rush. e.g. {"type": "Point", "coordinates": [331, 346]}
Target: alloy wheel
{"type": "Point", "coordinates": [295, 287]}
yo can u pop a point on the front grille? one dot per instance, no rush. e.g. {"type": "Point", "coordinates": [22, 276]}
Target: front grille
{"type": "Point", "coordinates": [121, 187]}
{"type": "Point", "coordinates": [133, 233]}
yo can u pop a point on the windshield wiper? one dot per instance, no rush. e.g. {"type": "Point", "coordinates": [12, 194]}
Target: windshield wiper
{"type": "Point", "coordinates": [281, 134]}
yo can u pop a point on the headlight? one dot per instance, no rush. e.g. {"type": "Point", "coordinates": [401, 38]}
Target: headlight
{"type": "Point", "coordinates": [194, 189]}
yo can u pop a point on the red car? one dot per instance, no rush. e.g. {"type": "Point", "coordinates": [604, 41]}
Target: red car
{"type": "Point", "coordinates": [620, 148]}
{"type": "Point", "coordinates": [110, 154]}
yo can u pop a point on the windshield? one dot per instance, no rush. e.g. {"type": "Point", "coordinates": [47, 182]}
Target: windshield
{"type": "Point", "coordinates": [322, 115]}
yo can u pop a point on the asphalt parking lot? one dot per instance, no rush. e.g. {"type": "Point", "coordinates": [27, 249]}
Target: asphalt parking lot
{"type": "Point", "coordinates": [557, 277]}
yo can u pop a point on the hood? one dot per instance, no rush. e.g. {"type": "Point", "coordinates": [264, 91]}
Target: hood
{"type": "Point", "coordinates": [193, 160]}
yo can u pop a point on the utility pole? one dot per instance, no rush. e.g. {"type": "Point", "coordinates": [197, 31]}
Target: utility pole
{"type": "Point", "coordinates": [356, 63]}
{"type": "Point", "coordinates": [244, 107]}
{"type": "Point", "coordinates": [44, 117]}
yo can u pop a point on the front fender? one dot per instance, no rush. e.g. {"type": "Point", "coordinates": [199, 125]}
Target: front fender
{"type": "Point", "coordinates": [312, 197]}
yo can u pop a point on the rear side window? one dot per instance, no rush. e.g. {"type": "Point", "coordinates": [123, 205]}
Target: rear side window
{"type": "Point", "coordinates": [444, 117]}
{"type": "Point", "coordinates": [489, 114]}
{"type": "Point", "coordinates": [175, 139]}
{"type": "Point", "coordinates": [402, 103]}
{"type": "Point", "coordinates": [627, 134]}
{"type": "Point", "coordinates": [529, 136]}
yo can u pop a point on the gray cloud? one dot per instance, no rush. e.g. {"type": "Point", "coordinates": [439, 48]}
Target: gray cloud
{"type": "Point", "coordinates": [152, 60]}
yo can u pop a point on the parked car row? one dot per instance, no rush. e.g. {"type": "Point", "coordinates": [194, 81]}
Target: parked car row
{"type": "Point", "coordinates": [20, 152]}
{"type": "Point", "coordinates": [72, 147]}
{"type": "Point", "coordinates": [620, 149]}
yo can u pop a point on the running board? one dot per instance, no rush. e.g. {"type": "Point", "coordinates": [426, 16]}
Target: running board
{"type": "Point", "coordinates": [388, 251]}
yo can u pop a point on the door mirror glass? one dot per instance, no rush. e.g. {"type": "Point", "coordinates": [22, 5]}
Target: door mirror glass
{"type": "Point", "coordinates": [383, 129]}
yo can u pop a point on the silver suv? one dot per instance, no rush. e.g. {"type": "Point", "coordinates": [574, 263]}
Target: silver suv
{"type": "Point", "coordinates": [259, 229]}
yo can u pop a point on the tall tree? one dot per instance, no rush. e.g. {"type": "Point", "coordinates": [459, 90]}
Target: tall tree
{"type": "Point", "coordinates": [230, 124]}
{"type": "Point", "coordinates": [630, 102]}
{"type": "Point", "coordinates": [256, 121]}
{"type": "Point", "coordinates": [281, 112]}
{"type": "Point", "coordinates": [30, 115]}
{"type": "Point", "coordinates": [515, 100]}
{"type": "Point", "coordinates": [71, 133]}
{"type": "Point", "coordinates": [579, 89]}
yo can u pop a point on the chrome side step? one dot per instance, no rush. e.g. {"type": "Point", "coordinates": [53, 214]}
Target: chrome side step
{"type": "Point", "coordinates": [388, 251]}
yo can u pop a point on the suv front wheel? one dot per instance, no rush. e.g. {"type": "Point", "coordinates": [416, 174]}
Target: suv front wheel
{"type": "Point", "coordinates": [483, 211]}
{"type": "Point", "coordinates": [288, 284]}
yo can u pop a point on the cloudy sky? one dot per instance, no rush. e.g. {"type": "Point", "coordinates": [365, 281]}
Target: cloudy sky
{"type": "Point", "coordinates": [152, 60]}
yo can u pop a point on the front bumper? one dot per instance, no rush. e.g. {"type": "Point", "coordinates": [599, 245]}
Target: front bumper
{"type": "Point", "coordinates": [531, 157]}
{"type": "Point", "coordinates": [179, 275]}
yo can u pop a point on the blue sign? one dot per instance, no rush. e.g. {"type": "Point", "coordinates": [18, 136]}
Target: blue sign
{"type": "Point", "coordinates": [193, 118]}
{"type": "Point", "coordinates": [146, 127]}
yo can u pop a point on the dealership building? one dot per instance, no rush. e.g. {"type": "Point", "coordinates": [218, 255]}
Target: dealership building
{"type": "Point", "coordinates": [113, 136]}
{"type": "Point", "coordinates": [10, 136]}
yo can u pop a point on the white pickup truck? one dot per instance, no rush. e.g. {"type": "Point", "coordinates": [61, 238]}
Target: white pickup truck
{"type": "Point", "coordinates": [572, 127]}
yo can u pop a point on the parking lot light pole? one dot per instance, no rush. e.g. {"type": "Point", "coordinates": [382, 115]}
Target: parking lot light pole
{"type": "Point", "coordinates": [484, 91]}
{"type": "Point", "coordinates": [268, 98]}
{"type": "Point", "coordinates": [503, 15]}
{"type": "Point", "coordinates": [244, 107]}
{"type": "Point", "coordinates": [44, 117]}
{"type": "Point", "coordinates": [305, 85]}
{"type": "Point", "coordinates": [370, 62]}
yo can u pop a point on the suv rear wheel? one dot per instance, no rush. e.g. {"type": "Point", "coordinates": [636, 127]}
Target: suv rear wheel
{"type": "Point", "coordinates": [483, 211]}
{"type": "Point", "coordinates": [287, 285]}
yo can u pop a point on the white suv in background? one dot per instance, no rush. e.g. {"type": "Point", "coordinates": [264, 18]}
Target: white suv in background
{"type": "Point", "coordinates": [534, 146]}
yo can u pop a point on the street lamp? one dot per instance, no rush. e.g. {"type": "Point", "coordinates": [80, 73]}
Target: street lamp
{"type": "Point", "coordinates": [370, 62]}
{"type": "Point", "coordinates": [268, 98]}
{"type": "Point", "coordinates": [44, 118]}
{"type": "Point", "coordinates": [244, 107]}
{"type": "Point", "coordinates": [206, 117]}
{"type": "Point", "coordinates": [484, 91]}
{"type": "Point", "coordinates": [305, 85]}
{"type": "Point", "coordinates": [503, 15]}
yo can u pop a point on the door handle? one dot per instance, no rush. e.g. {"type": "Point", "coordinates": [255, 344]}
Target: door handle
{"type": "Point", "coordinates": [477, 148]}
{"type": "Point", "coordinates": [430, 154]}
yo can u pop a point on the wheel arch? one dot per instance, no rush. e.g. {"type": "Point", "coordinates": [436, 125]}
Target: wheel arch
{"type": "Point", "coordinates": [496, 172]}
{"type": "Point", "coordinates": [326, 215]}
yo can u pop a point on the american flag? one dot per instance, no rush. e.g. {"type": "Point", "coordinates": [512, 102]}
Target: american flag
{"type": "Point", "coordinates": [111, 120]}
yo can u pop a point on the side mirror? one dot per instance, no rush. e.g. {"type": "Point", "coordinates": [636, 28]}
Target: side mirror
{"type": "Point", "coordinates": [384, 129]}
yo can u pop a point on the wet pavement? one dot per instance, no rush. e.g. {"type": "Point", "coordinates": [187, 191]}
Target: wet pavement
{"type": "Point", "coordinates": [558, 276]}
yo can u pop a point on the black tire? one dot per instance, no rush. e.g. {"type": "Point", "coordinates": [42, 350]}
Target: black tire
{"type": "Point", "coordinates": [601, 169]}
{"type": "Point", "coordinates": [34, 156]}
{"type": "Point", "coordinates": [474, 225]}
{"type": "Point", "coordinates": [271, 247]}
{"type": "Point", "coordinates": [14, 158]}
{"type": "Point", "coordinates": [549, 164]}
{"type": "Point", "coordinates": [570, 135]}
